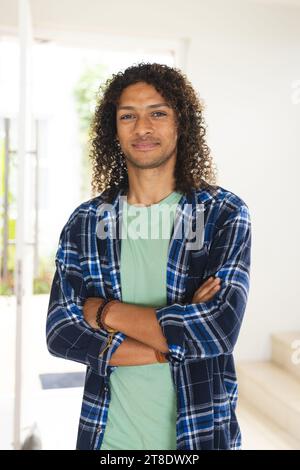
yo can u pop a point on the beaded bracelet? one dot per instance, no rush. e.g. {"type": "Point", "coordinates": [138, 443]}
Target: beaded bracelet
{"type": "Point", "coordinates": [99, 313]}
{"type": "Point", "coordinates": [102, 312]}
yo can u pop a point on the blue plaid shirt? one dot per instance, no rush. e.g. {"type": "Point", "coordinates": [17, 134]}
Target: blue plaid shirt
{"type": "Point", "coordinates": [200, 336]}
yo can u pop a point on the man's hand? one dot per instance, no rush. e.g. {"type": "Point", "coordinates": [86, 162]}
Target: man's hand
{"type": "Point", "coordinates": [207, 290]}
{"type": "Point", "coordinates": [90, 308]}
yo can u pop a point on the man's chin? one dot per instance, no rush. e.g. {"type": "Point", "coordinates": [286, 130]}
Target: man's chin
{"type": "Point", "coordinates": [146, 164]}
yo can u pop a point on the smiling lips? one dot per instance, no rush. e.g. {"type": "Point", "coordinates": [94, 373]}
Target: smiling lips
{"type": "Point", "coordinates": [145, 146]}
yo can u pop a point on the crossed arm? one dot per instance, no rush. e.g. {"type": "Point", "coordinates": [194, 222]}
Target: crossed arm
{"type": "Point", "coordinates": [140, 325]}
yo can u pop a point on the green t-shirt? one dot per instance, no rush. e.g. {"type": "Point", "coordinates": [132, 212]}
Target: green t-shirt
{"type": "Point", "coordinates": [142, 410]}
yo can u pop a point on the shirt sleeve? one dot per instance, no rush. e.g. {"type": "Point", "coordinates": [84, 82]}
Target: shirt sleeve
{"type": "Point", "coordinates": [68, 335]}
{"type": "Point", "coordinates": [209, 329]}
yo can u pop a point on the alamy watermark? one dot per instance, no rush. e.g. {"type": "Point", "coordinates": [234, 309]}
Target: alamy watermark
{"type": "Point", "coordinates": [295, 95]}
{"type": "Point", "coordinates": [153, 222]}
{"type": "Point", "coordinates": [295, 356]}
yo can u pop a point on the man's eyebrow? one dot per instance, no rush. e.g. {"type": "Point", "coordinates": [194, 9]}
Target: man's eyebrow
{"type": "Point", "coordinates": [157, 105]}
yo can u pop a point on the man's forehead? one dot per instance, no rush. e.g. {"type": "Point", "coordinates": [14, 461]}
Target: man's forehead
{"type": "Point", "coordinates": [141, 95]}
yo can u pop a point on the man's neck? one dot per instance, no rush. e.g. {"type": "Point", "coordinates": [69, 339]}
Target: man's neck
{"type": "Point", "coordinates": [146, 193]}
{"type": "Point", "coordinates": [149, 186]}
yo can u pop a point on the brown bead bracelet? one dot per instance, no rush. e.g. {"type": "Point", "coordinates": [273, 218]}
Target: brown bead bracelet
{"type": "Point", "coordinates": [101, 314]}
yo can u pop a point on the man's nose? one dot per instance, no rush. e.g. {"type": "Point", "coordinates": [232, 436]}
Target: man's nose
{"type": "Point", "coordinates": [143, 125]}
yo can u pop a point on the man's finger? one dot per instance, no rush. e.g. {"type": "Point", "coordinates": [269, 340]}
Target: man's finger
{"type": "Point", "coordinates": [208, 281]}
{"type": "Point", "coordinates": [204, 297]}
{"type": "Point", "coordinates": [204, 288]}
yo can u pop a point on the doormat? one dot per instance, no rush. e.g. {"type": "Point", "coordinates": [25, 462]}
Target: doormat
{"type": "Point", "coordinates": [62, 380]}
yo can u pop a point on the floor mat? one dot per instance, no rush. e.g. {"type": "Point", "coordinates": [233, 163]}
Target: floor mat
{"type": "Point", "coordinates": [62, 380]}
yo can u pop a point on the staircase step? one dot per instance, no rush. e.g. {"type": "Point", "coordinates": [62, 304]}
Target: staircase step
{"type": "Point", "coordinates": [261, 433]}
{"type": "Point", "coordinates": [286, 351]}
{"type": "Point", "coordinates": [273, 391]}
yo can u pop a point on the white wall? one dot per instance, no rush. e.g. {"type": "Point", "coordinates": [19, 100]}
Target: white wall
{"type": "Point", "coordinates": [243, 59]}
{"type": "Point", "coordinates": [244, 67]}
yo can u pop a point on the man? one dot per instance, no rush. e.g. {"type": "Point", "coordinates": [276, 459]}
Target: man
{"type": "Point", "coordinates": [160, 370]}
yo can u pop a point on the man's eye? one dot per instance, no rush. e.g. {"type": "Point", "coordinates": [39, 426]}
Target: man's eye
{"type": "Point", "coordinates": [155, 112]}
{"type": "Point", "coordinates": [123, 117]}
{"type": "Point", "coordinates": [159, 112]}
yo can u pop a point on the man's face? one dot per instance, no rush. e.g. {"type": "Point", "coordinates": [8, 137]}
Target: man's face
{"type": "Point", "coordinates": [146, 127]}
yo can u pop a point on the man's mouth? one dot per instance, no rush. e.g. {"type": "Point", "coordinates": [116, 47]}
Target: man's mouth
{"type": "Point", "coordinates": [145, 146]}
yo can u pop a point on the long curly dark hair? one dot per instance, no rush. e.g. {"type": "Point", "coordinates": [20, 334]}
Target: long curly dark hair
{"type": "Point", "coordinates": [194, 166]}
